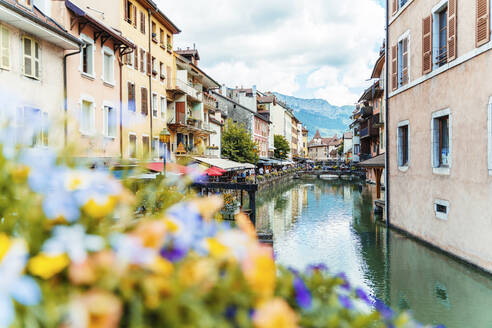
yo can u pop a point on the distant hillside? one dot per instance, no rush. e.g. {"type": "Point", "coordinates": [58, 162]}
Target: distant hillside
{"type": "Point", "coordinates": [319, 114]}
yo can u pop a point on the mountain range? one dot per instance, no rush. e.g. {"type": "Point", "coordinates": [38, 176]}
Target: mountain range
{"type": "Point", "coordinates": [318, 114]}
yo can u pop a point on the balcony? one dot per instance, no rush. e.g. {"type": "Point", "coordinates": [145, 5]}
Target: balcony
{"type": "Point", "coordinates": [192, 90]}
{"type": "Point", "coordinates": [209, 101]}
{"type": "Point", "coordinates": [366, 111]}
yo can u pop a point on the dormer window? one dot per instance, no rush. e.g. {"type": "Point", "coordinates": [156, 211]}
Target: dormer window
{"type": "Point", "coordinates": [26, 3]}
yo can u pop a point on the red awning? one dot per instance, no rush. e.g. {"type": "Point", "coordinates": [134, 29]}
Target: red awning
{"type": "Point", "coordinates": [170, 167]}
{"type": "Point", "coordinates": [214, 172]}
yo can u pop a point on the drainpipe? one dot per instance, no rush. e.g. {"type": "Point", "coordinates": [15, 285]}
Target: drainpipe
{"type": "Point", "coordinates": [386, 121]}
{"type": "Point", "coordinates": [121, 106]}
{"type": "Point", "coordinates": [150, 76]}
{"type": "Point", "coordinates": [65, 93]}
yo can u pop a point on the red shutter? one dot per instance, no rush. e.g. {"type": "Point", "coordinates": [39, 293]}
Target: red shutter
{"type": "Point", "coordinates": [394, 68]}
{"type": "Point", "coordinates": [483, 18]}
{"type": "Point", "coordinates": [395, 6]}
{"type": "Point", "coordinates": [452, 32]}
{"type": "Point", "coordinates": [149, 64]}
{"type": "Point", "coordinates": [427, 45]}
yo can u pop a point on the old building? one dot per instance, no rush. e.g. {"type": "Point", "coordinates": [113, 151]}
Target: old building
{"type": "Point", "coordinates": [439, 128]}
{"type": "Point", "coordinates": [94, 88]}
{"type": "Point", "coordinates": [32, 70]}
{"type": "Point", "coordinates": [323, 149]}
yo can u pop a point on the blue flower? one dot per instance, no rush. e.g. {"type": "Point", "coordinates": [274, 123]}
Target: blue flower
{"type": "Point", "coordinates": [174, 254]}
{"type": "Point", "coordinates": [345, 285]}
{"type": "Point", "coordinates": [317, 267]}
{"type": "Point", "coordinates": [130, 250]}
{"type": "Point", "coordinates": [303, 295]}
{"type": "Point", "coordinates": [13, 284]}
{"type": "Point", "coordinates": [42, 169]}
{"type": "Point", "coordinates": [361, 294]}
{"type": "Point", "coordinates": [60, 204]}
{"type": "Point", "coordinates": [345, 301]}
{"type": "Point", "coordinates": [74, 242]}
{"type": "Point", "coordinates": [382, 308]}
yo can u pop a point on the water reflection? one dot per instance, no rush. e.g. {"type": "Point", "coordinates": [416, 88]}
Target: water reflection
{"type": "Point", "coordinates": [331, 222]}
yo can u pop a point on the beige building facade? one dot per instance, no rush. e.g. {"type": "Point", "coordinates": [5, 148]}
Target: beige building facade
{"type": "Point", "coordinates": [439, 128]}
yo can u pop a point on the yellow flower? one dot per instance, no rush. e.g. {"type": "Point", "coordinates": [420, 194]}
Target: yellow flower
{"type": "Point", "coordinates": [151, 233]}
{"type": "Point", "coordinates": [217, 249]}
{"type": "Point", "coordinates": [244, 223]}
{"type": "Point", "coordinates": [208, 207]}
{"type": "Point", "coordinates": [162, 267]}
{"type": "Point", "coordinates": [275, 313]}
{"type": "Point", "coordinates": [200, 272]}
{"type": "Point", "coordinates": [171, 225]}
{"type": "Point", "coordinates": [20, 173]}
{"type": "Point", "coordinates": [46, 266]}
{"type": "Point", "coordinates": [96, 309]}
{"type": "Point", "coordinates": [5, 244]}
{"type": "Point", "coordinates": [99, 210]}
{"type": "Point", "coordinates": [260, 271]}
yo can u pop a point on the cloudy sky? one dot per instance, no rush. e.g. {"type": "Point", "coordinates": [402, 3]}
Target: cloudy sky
{"type": "Point", "coordinates": [310, 49]}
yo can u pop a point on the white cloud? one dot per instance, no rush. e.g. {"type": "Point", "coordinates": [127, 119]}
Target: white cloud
{"type": "Point", "coordinates": [279, 44]}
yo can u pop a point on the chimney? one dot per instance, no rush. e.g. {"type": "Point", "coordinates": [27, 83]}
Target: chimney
{"type": "Point", "coordinates": [223, 90]}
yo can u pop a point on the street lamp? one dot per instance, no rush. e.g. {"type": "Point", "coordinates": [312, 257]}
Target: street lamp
{"type": "Point", "coordinates": [164, 138]}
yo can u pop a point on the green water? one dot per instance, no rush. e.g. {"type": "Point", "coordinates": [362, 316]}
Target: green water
{"type": "Point", "coordinates": [316, 221]}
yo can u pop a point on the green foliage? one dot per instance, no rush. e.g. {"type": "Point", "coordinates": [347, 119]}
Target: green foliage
{"type": "Point", "coordinates": [237, 144]}
{"type": "Point", "coordinates": [282, 147]}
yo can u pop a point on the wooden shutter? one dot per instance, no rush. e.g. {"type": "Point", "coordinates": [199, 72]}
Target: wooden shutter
{"type": "Point", "coordinates": [169, 77]}
{"type": "Point", "coordinates": [144, 101]}
{"type": "Point", "coordinates": [136, 58]}
{"type": "Point", "coordinates": [125, 5]}
{"type": "Point", "coordinates": [394, 67]}
{"type": "Point", "coordinates": [395, 6]}
{"type": "Point", "coordinates": [142, 59]}
{"type": "Point", "coordinates": [452, 32]}
{"type": "Point", "coordinates": [5, 48]}
{"type": "Point", "coordinates": [142, 22]}
{"type": "Point", "coordinates": [482, 26]}
{"type": "Point", "coordinates": [149, 64]}
{"type": "Point", "coordinates": [427, 45]}
{"type": "Point", "coordinates": [134, 8]}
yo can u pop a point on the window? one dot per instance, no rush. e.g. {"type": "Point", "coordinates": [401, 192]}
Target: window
{"type": "Point", "coordinates": [403, 144]}
{"type": "Point", "coordinates": [35, 120]}
{"type": "Point", "coordinates": [146, 147]}
{"type": "Point", "coordinates": [154, 32]}
{"type": "Point", "coordinates": [144, 103]}
{"type": "Point", "coordinates": [163, 107]}
{"type": "Point", "coordinates": [31, 62]}
{"type": "Point", "coordinates": [169, 43]}
{"type": "Point", "coordinates": [142, 22]}
{"type": "Point", "coordinates": [398, 4]}
{"type": "Point", "coordinates": [87, 117]}
{"type": "Point", "coordinates": [441, 209]}
{"type": "Point", "coordinates": [441, 142]}
{"type": "Point", "coordinates": [26, 3]}
{"type": "Point", "coordinates": [109, 122]}
{"type": "Point", "coordinates": [131, 97]}
{"type": "Point", "coordinates": [154, 67]}
{"type": "Point", "coordinates": [130, 59]}
{"type": "Point", "coordinates": [155, 111]}
{"type": "Point", "coordinates": [155, 148]}
{"type": "Point", "coordinates": [132, 146]}
{"type": "Point", "coordinates": [442, 52]}
{"type": "Point", "coordinates": [87, 56]}
{"type": "Point", "coordinates": [131, 13]}
{"type": "Point", "coordinates": [108, 66]}
{"type": "Point", "coordinates": [162, 71]}
{"type": "Point", "coordinates": [4, 48]}
{"type": "Point", "coordinates": [162, 38]}
{"type": "Point", "coordinates": [403, 61]}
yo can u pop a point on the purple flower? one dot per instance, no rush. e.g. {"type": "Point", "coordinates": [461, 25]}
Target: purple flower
{"type": "Point", "coordinates": [382, 308]}
{"type": "Point", "coordinates": [230, 312]}
{"type": "Point", "coordinates": [317, 267]}
{"type": "Point", "coordinates": [173, 254]}
{"type": "Point", "coordinates": [345, 301]}
{"type": "Point", "coordinates": [303, 295]}
{"type": "Point", "coordinates": [363, 296]}
{"type": "Point", "coordinates": [440, 326]}
{"type": "Point", "coordinates": [346, 284]}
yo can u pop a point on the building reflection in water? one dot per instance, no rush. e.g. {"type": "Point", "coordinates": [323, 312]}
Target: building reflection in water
{"type": "Point", "coordinates": [332, 222]}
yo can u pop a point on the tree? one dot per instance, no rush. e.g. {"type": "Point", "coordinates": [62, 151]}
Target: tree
{"type": "Point", "coordinates": [340, 149]}
{"type": "Point", "coordinates": [282, 147]}
{"type": "Point", "coordinates": [237, 144]}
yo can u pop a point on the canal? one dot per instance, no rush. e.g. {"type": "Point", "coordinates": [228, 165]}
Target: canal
{"type": "Point", "coordinates": [331, 222]}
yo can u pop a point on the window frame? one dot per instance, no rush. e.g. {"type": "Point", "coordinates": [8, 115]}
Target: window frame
{"type": "Point", "coordinates": [7, 48]}
{"type": "Point", "coordinates": [146, 155]}
{"type": "Point", "coordinates": [402, 37]}
{"type": "Point", "coordinates": [163, 110]}
{"type": "Point", "coordinates": [403, 166]}
{"type": "Point", "coordinates": [92, 123]}
{"type": "Point", "coordinates": [155, 105]}
{"type": "Point", "coordinates": [436, 11]}
{"type": "Point", "coordinates": [88, 41]}
{"type": "Point", "coordinates": [108, 51]}
{"type": "Point", "coordinates": [33, 58]}
{"type": "Point", "coordinates": [437, 168]}
{"type": "Point", "coordinates": [132, 134]}
{"type": "Point", "coordinates": [438, 214]}
{"type": "Point", "coordinates": [155, 148]}
{"type": "Point", "coordinates": [133, 107]}
{"type": "Point", "coordinates": [106, 129]}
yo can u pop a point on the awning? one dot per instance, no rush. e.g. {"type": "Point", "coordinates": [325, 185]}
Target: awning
{"type": "Point", "coordinates": [224, 164]}
{"type": "Point", "coordinates": [170, 167]}
{"type": "Point", "coordinates": [375, 162]}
